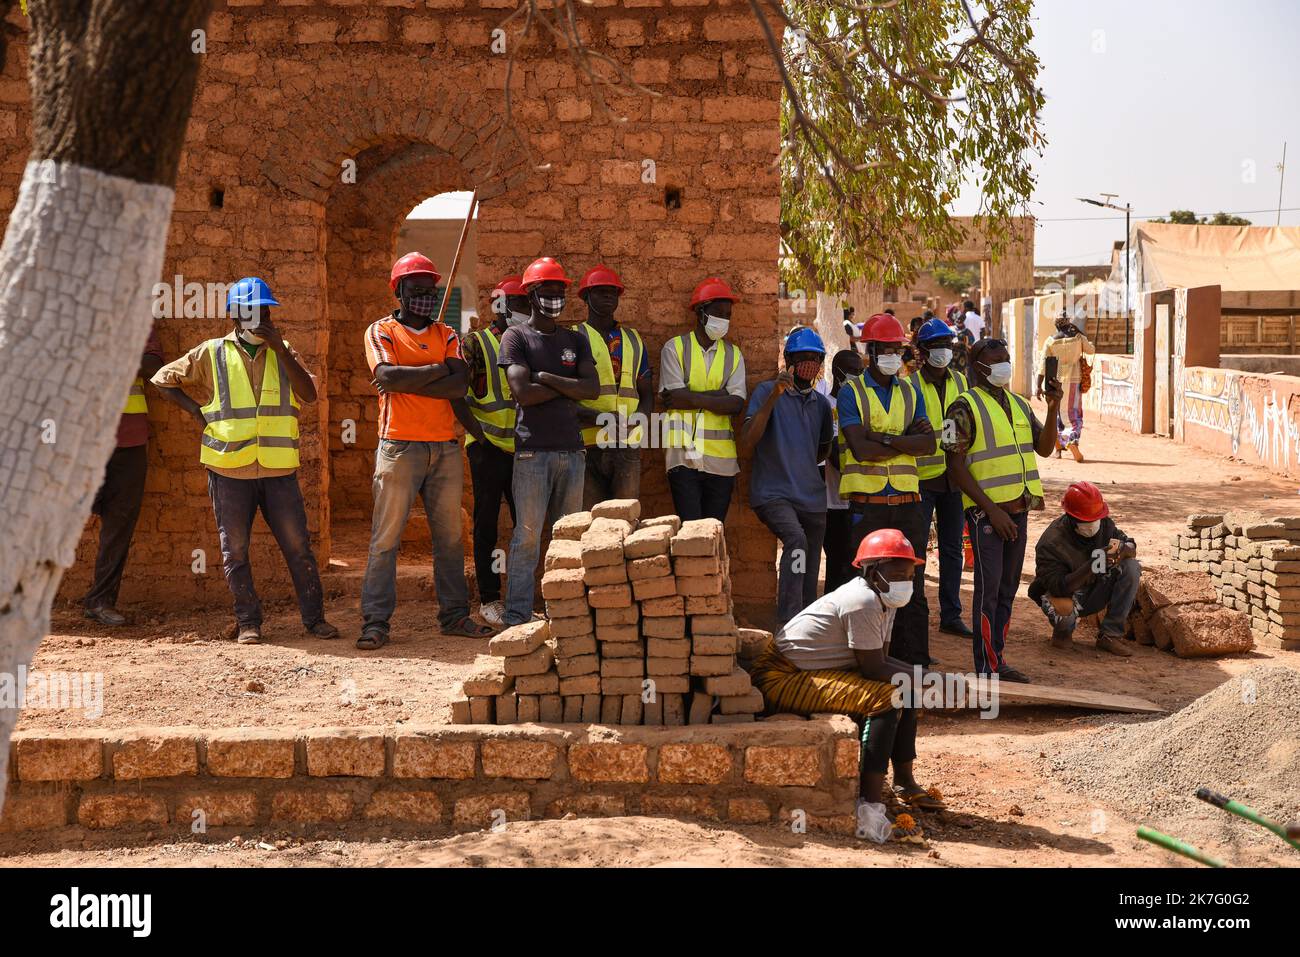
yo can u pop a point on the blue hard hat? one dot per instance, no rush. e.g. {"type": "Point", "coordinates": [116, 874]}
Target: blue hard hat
{"type": "Point", "coordinates": [805, 340]}
{"type": "Point", "coordinates": [249, 292]}
{"type": "Point", "coordinates": [932, 329]}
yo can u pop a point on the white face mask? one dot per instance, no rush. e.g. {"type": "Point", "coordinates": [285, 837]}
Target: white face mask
{"type": "Point", "coordinates": [889, 363]}
{"type": "Point", "coordinates": [898, 595]}
{"type": "Point", "coordinates": [251, 339]}
{"type": "Point", "coordinates": [1000, 374]}
{"type": "Point", "coordinates": [715, 327]}
{"type": "Point", "coordinates": [1088, 529]}
{"type": "Point", "coordinates": [939, 358]}
{"type": "Point", "coordinates": [517, 318]}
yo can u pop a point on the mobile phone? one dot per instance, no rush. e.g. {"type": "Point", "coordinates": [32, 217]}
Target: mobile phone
{"type": "Point", "coordinates": [1050, 365]}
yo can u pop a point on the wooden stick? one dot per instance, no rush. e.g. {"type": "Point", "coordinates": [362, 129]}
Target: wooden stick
{"type": "Point", "coordinates": [455, 262]}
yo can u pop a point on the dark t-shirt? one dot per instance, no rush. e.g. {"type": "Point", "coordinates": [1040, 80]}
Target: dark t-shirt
{"type": "Point", "coordinates": [550, 426]}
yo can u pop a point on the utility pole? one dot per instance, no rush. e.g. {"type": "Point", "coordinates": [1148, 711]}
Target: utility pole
{"type": "Point", "coordinates": [1128, 214]}
{"type": "Point", "coordinates": [1281, 169]}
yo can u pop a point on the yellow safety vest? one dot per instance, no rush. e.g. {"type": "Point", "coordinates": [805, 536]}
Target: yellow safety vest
{"type": "Point", "coordinates": [620, 396]}
{"type": "Point", "coordinates": [1001, 459]}
{"type": "Point", "coordinates": [708, 432]}
{"type": "Point", "coordinates": [496, 410]}
{"type": "Point", "coordinates": [135, 400]}
{"type": "Point", "coordinates": [954, 384]}
{"type": "Point", "coordinates": [241, 428]}
{"type": "Point", "coordinates": [899, 471]}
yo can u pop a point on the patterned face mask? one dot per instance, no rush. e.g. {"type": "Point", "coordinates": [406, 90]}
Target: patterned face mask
{"type": "Point", "coordinates": [549, 306]}
{"type": "Point", "coordinates": [807, 370]}
{"type": "Point", "coordinates": [421, 305]}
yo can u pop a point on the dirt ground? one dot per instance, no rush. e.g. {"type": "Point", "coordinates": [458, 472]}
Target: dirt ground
{"type": "Point", "coordinates": [175, 669]}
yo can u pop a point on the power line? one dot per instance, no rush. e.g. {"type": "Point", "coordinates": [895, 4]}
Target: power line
{"type": "Point", "coordinates": [1093, 219]}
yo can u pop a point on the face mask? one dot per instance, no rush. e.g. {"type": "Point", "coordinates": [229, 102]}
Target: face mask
{"type": "Point", "coordinates": [251, 339]}
{"type": "Point", "coordinates": [806, 371]}
{"type": "Point", "coordinates": [421, 305]}
{"type": "Point", "coordinates": [715, 327]}
{"type": "Point", "coordinates": [517, 318]}
{"type": "Point", "coordinates": [889, 364]}
{"type": "Point", "coordinates": [939, 358]}
{"type": "Point", "coordinates": [897, 594]}
{"type": "Point", "coordinates": [999, 373]}
{"type": "Point", "coordinates": [549, 306]}
{"type": "Point", "coordinates": [1088, 529]}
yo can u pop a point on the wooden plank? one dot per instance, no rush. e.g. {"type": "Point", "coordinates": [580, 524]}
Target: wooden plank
{"type": "Point", "coordinates": [1012, 693]}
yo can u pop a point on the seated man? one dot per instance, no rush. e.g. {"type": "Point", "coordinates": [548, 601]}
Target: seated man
{"type": "Point", "coordinates": [1084, 564]}
{"type": "Point", "coordinates": [833, 656]}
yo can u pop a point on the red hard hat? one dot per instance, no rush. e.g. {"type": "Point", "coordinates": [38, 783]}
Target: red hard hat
{"type": "Point", "coordinates": [712, 288]}
{"type": "Point", "coordinates": [412, 264]}
{"type": "Point", "coordinates": [599, 276]}
{"type": "Point", "coordinates": [1083, 500]}
{"type": "Point", "coordinates": [882, 327]}
{"type": "Point", "coordinates": [885, 543]}
{"type": "Point", "coordinates": [545, 269]}
{"type": "Point", "coordinates": [509, 286]}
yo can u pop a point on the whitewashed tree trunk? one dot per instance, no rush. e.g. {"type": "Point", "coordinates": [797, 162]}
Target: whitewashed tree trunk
{"type": "Point", "coordinates": [112, 85]}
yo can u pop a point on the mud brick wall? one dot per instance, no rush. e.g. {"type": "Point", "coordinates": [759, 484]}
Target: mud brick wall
{"type": "Point", "coordinates": [1254, 566]}
{"type": "Point", "coordinates": [291, 89]}
{"type": "Point", "coordinates": [464, 778]}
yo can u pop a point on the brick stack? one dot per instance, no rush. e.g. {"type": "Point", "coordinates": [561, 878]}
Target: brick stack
{"type": "Point", "coordinates": [639, 630]}
{"type": "Point", "coordinates": [1253, 561]}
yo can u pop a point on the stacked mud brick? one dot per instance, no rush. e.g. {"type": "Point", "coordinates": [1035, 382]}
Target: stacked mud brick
{"type": "Point", "coordinates": [1254, 564]}
{"type": "Point", "coordinates": [639, 629]}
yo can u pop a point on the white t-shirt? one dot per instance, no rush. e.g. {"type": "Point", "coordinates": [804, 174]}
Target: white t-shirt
{"type": "Point", "coordinates": [974, 324]}
{"type": "Point", "coordinates": [825, 634]}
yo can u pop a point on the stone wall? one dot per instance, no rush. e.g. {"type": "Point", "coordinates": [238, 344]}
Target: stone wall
{"type": "Point", "coordinates": [464, 777]}
{"type": "Point", "coordinates": [291, 91]}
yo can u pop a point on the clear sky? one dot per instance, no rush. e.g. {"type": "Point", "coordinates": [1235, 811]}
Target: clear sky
{"type": "Point", "coordinates": [1167, 103]}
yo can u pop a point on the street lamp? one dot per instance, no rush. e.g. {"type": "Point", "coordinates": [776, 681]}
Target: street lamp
{"type": "Point", "coordinates": [1127, 209]}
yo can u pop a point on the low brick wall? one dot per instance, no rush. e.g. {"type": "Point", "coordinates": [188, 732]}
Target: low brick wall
{"type": "Point", "coordinates": [463, 777]}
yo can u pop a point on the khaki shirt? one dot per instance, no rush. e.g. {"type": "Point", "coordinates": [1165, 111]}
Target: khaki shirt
{"type": "Point", "coordinates": [193, 372]}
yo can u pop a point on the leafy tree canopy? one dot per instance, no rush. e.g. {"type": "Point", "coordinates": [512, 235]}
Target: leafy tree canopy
{"type": "Point", "coordinates": [1185, 217]}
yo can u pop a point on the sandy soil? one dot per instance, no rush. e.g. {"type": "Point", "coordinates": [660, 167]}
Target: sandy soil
{"type": "Point", "coordinates": [176, 669]}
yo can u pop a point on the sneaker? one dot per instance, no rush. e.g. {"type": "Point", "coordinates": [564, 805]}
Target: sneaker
{"type": "Point", "coordinates": [323, 629]}
{"type": "Point", "coordinates": [494, 613]}
{"type": "Point", "coordinates": [1114, 646]}
{"type": "Point", "coordinates": [958, 628]}
{"type": "Point", "coordinates": [249, 635]}
{"type": "Point", "coordinates": [106, 616]}
{"type": "Point", "coordinates": [1007, 673]}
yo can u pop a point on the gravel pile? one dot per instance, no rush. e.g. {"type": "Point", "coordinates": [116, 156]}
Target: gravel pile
{"type": "Point", "coordinates": [1241, 739]}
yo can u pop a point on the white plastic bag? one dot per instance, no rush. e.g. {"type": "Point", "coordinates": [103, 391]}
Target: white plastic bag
{"type": "Point", "coordinates": [873, 822]}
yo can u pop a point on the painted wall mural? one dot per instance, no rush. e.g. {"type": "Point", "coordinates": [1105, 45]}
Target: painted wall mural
{"type": "Point", "coordinates": [1114, 392]}
{"type": "Point", "coordinates": [1252, 417]}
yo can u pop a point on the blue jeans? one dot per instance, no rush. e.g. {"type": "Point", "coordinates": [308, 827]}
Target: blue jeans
{"type": "Point", "coordinates": [547, 486]}
{"type": "Point", "coordinates": [947, 506]}
{"type": "Point", "coordinates": [235, 503]}
{"type": "Point", "coordinates": [403, 470]}
{"type": "Point", "coordinates": [801, 534]}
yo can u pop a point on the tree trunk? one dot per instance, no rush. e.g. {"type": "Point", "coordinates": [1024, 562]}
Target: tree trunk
{"type": "Point", "coordinates": [112, 86]}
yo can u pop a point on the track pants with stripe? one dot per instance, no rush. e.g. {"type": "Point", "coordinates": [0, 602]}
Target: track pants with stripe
{"type": "Point", "coordinates": [997, 578]}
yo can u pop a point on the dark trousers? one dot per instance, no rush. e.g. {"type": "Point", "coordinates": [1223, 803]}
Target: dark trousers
{"type": "Point", "coordinates": [491, 472]}
{"type": "Point", "coordinates": [699, 494]}
{"type": "Point", "coordinates": [801, 534]}
{"type": "Point", "coordinates": [910, 639]}
{"type": "Point", "coordinates": [611, 473]}
{"type": "Point", "coordinates": [117, 503]}
{"type": "Point", "coordinates": [997, 577]}
{"type": "Point", "coordinates": [838, 547]}
{"type": "Point", "coordinates": [890, 736]}
{"type": "Point", "coordinates": [236, 502]}
{"type": "Point", "coordinates": [1112, 592]}
{"type": "Point", "coordinates": [950, 517]}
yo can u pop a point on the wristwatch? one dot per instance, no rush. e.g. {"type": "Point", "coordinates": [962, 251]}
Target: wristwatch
{"type": "Point", "coordinates": [886, 439]}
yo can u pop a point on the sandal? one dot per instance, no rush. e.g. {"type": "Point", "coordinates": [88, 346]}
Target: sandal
{"type": "Point", "coordinates": [467, 627]}
{"type": "Point", "coordinates": [931, 799]}
{"type": "Point", "coordinates": [372, 639]}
